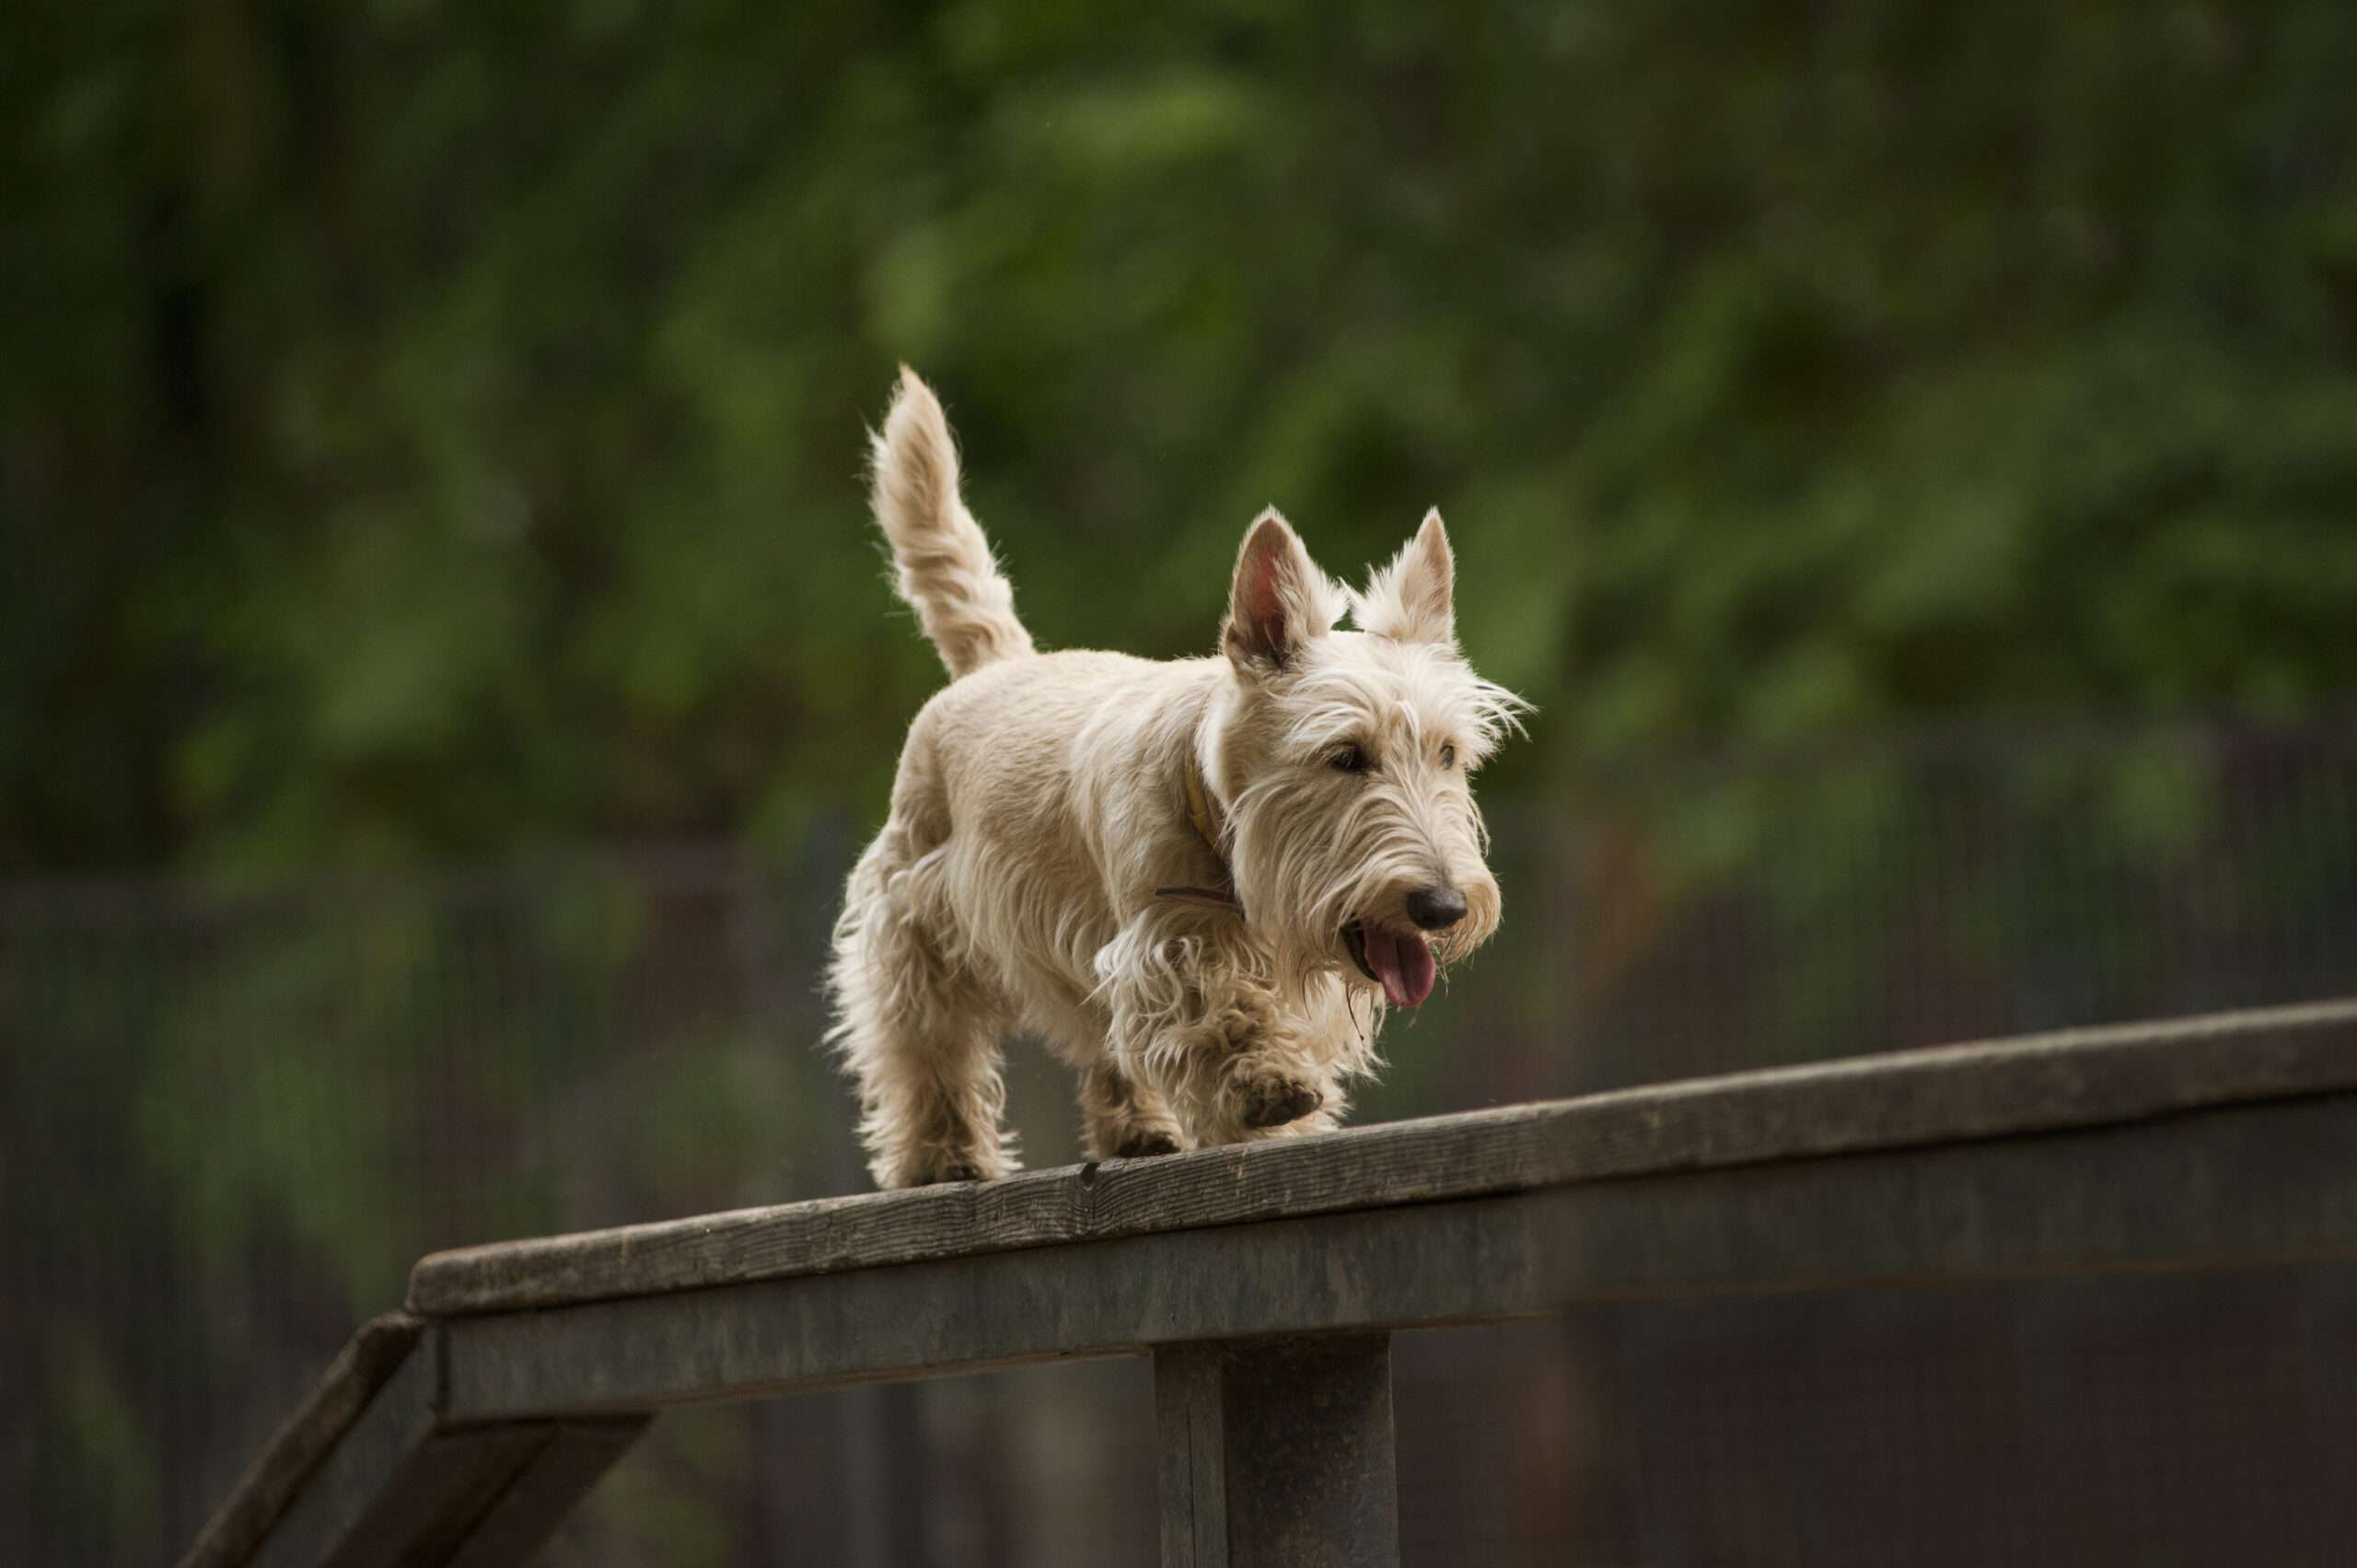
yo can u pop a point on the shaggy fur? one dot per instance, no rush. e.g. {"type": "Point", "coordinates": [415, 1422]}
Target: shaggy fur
{"type": "Point", "coordinates": [1042, 869]}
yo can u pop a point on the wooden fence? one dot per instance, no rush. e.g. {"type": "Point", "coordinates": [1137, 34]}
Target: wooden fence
{"type": "Point", "coordinates": [1265, 1279]}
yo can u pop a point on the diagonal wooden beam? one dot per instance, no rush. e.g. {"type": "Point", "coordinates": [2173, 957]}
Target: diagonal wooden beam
{"type": "Point", "coordinates": [335, 1402]}
{"type": "Point", "coordinates": [396, 1485]}
{"type": "Point", "coordinates": [570, 1460]}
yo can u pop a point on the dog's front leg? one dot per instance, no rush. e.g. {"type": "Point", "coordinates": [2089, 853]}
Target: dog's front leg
{"type": "Point", "coordinates": [1192, 1019]}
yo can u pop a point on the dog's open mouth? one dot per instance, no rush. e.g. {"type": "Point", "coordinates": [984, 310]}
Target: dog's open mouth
{"type": "Point", "coordinates": [1400, 961]}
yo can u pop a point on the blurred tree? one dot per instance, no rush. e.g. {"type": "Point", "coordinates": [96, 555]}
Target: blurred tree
{"type": "Point", "coordinates": [424, 430]}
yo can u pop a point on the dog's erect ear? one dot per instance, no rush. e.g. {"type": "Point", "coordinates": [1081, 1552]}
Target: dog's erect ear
{"type": "Point", "coordinates": [1280, 599]}
{"type": "Point", "coordinates": [1409, 600]}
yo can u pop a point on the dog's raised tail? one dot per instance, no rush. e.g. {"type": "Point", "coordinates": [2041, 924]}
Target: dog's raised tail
{"type": "Point", "coordinates": [945, 571]}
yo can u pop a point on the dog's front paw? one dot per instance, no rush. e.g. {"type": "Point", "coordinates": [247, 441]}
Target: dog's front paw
{"type": "Point", "coordinates": [1273, 1102]}
{"type": "Point", "coordinates": [1273, 1099]}
{"type": "Point", "coordinates": [1145, 1144]}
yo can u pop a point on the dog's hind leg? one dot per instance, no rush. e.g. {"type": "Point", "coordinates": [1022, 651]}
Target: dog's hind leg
{"type": "Point", "coordinates": [919, 1034]}
{"type": "Point", "coordinates": [1125, 1119]}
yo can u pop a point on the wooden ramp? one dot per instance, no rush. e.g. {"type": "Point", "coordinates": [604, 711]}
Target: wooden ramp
{"type": "Point", "coordinates": [1264, 1279]}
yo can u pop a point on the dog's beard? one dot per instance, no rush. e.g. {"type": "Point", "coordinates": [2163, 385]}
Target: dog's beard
{"type": "Point", "coordinates": [1323, 890]}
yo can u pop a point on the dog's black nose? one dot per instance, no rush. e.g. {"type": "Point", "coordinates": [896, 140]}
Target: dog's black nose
{"type": "Point", "coordinates": [1436, 909]}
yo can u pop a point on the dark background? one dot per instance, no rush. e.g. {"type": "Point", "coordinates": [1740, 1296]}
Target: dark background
{"type": "Point", "coordinates": [1908, 452]}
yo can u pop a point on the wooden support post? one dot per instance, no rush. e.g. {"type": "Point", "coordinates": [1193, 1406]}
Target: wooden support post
{"type": "Point", "coordinates": [1278, 1452]}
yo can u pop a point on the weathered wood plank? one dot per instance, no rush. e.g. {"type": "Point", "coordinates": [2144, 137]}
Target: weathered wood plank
{"type": "Point", "coordinates": [2247, 1185]}
{"type": "Point", "coordinates": [1278, 1454]}
{"type": "Point", "coordinates": [420, 1511]}
{"type": "Point", "coordinates": [2078, 1079]}
{"type": "Point", "coordinates": [401, 1487]}
{"type": "Point", "coordinates": [335, 1497]}
{"type": "Point", "coordinates": [571, 1458]}
{"type": "Point", "coordinates": [1191, 1441]}
{"type": "Point", "coordinates": [334, 1403]}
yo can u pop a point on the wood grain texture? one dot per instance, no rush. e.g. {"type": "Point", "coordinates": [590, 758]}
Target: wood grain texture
{"type": "Point", "coordinates": [335, 1402]}
{"type": "Point", "coordinates": [2238, 1186]}
{"type": "Point", "coordinates": [2077, 1078]}
{"type": "Point", "coordinates": [1191, 1445]}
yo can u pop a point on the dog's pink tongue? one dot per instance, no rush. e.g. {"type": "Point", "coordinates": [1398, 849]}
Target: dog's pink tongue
{"type": "Point", "coordinates": [1402, 963]}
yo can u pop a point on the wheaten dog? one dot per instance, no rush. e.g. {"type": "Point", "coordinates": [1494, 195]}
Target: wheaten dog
{"type": "Point", "coordinates": [1199, 882]}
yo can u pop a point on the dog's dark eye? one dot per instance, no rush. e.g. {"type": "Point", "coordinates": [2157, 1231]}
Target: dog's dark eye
{"type": "Point", "coordinates": [1350, 760]}
{"type": "Point", "coordinates": [1448, 756]}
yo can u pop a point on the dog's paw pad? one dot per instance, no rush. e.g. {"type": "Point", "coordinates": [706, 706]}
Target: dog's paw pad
{"type": "Point", "coordinates": [1145, 1146]}
{"type": "Point", "coordinates": [1273, 1102]}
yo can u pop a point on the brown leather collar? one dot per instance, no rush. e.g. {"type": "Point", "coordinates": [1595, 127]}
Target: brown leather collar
{"type": "Point", "coordinates": [1200, 812]}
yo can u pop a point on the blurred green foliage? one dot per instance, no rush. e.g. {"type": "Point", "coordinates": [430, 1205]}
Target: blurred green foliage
{"type": "Point", "coordinates": [426, 430]}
